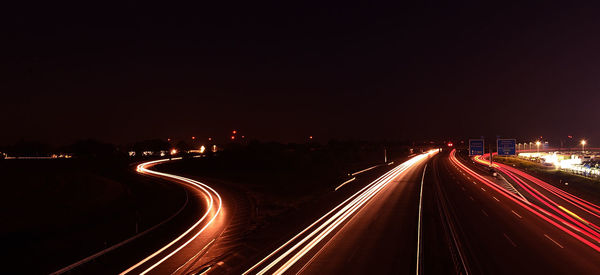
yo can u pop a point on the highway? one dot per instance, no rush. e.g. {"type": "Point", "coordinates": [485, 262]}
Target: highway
{"type": "Point", "coordinates": [179, 253]}
{"type": "Point", "coordinates": [175, 246]}
{"type": "Point", "coordinates": [504, 234]}
{"type": "Point", "coordinates": [435, 214]}
{"type": "Point", "coordinates": [360, 231]}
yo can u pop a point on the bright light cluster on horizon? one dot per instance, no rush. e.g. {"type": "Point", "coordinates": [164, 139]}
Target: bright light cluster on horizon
{"type": "Point", "coordinates": [564, 162]}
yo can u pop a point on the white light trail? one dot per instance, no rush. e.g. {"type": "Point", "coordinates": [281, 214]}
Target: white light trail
{"type": "Point", "coordinates": [331, 221]}
{"type": "Point", "coordinates": [201, 186]}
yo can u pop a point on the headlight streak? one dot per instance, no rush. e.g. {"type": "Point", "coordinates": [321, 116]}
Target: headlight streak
{"type": "Point", "coordinates": [142, 168]}
{"type": "Point", "coordinates": [532, 208]}
{"type": "Point", "coordinates": [348, 207]}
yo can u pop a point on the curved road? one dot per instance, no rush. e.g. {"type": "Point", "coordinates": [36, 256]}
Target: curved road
{"type": "Point", "coordinates": [179, 254]}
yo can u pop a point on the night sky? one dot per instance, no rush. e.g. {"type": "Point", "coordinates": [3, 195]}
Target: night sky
{"type": "Point", "coordinates": [284, 71]}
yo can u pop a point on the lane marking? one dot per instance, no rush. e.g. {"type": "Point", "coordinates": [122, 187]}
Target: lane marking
{"type": "Point", "coordinates": [555, 242]}
{"type": "Point", "coordinates": [471, 197]}
{"type": "Point", "coordinates": [495, 198]}
{"type": "Point", "coordinates": [484, 212]}
{"type": "Point", "coordinates": [509, 240]}
{"type": "Point", "coordinates": [513, 211]}
{"type": "Point", "coordinates": [419, 223]}
{"type": "Point", "coordinates": [483, 189]}
{"type": "Point", "coordinates": [344, 183]}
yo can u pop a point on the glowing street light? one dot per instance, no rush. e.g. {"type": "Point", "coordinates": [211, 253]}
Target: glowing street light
{"type": "Point", "coordinates": [583, 142]}
{"type": "Point", "coordinates": [537, 143]}
{"type": "Point", "coordinates": [173, 151]}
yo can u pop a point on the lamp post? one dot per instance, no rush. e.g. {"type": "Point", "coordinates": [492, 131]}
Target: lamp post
{"type": "Point", "coordinates": [583, 142]}
{"type": "Point", "coordinates": [537, 143]}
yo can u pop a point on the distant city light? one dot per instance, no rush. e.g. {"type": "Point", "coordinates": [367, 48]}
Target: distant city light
{"type": "Point", "coordinates": [173, 151]}
{"type": "Point", "coordinates": [234, 132]}
{"type": "Point", "coordinates": [583, 142]}
{"type": "Point", "coordinates": [232, 137]}
{"type": "Point", "coordinates": [209, 139]}
{"type": "Point", "coordinates": [202, 149]}
{"type": "Point", "coordinates": [193, 137]}
{"type": "Point", "coordinates": [450, 144]}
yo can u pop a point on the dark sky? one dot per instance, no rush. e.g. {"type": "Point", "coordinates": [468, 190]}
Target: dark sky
{"type": "Point", "coordinates": [284, 71]}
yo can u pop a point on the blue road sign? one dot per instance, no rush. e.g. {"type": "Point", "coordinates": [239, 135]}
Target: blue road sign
{"type": "Point", "coordinates": [476, 147]}
{"type": "Point", "coordinates": [507, 147]}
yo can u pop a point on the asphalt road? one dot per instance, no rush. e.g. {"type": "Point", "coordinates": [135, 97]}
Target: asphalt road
{"type": "Point", "coordinates": [433, 214]}
{"type": "Point", "coordinates": [501, 236]}
{"type": "Point", "coordinates": [179, 244]}
{"type": "Point", "coordinates": [464, 226]}
{"type": "Point", "coordinates": [374, 230]}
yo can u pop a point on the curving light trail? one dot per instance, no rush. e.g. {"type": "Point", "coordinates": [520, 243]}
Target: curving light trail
{"type": "Point", "coordinates": [571, 228]}
{"type": "Point", "coordinates": [588, 207]}
{"type": "Point", "coordinates": [214, 208]}
{"type": "Point", "coordinates": [288, 254]}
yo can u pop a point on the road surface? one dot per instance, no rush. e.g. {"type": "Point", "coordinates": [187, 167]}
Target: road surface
{"type": "Point", "coordinates": [435, 215]}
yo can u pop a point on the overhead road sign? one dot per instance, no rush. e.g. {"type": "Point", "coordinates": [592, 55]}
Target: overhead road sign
{"type": "Point", "coordinates": [476, 147]}
{"type": "Point", "coordinates": [507, 147]}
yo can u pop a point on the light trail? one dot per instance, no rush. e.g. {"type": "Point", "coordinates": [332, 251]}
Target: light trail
{"type": "Point", "coordinates": [308, 238]}
{"type": "Point", "coordinates": [213, 206]}
{"type": "Point", "coordinates": [586, 238]}
{"type": "Point", "coordinates": [419, 222]}
{"type": "Point", "coordinates": [344, 183]}
{"type": "Point", "coordinates": [586, 206]}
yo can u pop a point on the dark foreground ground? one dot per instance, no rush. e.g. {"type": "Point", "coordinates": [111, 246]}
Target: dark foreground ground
{"type": "Point", "coordinates": [57, 212]}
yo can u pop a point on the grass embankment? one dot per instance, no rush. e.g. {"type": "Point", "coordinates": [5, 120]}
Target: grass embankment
{"type": "Point", "coordinates": [581, 186]}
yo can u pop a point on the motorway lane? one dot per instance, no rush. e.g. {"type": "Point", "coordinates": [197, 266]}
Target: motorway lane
{"type": "Point", "coordinates": [127, 255]}
{"type": "Point", "coordinates": [178, 254]}
{"type": "Point", "coordinates": [351, 233]}
{"type": "Point", "coordinates": [381, 238]}
{"type": "Point", "coordinates": [577, 210]}
{"type": "Point", "coordinates": [502, 237]}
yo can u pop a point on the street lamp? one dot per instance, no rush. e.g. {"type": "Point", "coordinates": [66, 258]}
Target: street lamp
{"type": "Point", "coordinates": [583, 145]}
{"type": "Point", "coordinates": [537, 143]}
